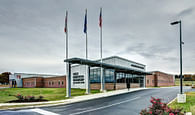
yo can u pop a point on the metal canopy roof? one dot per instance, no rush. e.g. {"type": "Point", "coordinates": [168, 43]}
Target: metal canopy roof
{"type": "Point", "coordinates": [105, 65]}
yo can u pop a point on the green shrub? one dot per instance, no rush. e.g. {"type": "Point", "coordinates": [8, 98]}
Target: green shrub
{"type": "Point", "coordinates": [41, 97]}
{"type": "Point", "coordinates": [187, 85]}
{"type": "Point", "coordinates": [20, 97]}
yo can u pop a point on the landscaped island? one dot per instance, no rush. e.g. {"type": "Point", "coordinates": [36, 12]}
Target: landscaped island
{"type": "Point", "coordinates": [189, 106]}
{"type": "Point", "coordinates": [50, 94]}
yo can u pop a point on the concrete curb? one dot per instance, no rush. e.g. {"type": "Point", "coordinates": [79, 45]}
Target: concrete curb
{"type": "Point", "coordinates": [68, 101]}
{"type": "Point", "coordinates": [172, 100]}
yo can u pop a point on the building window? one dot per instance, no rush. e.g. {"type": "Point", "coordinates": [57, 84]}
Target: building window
{"type": "Point", "coordinates": [59, 82]}
{"type": "Point", "coordinates": [52, 83]}
{"type": "Point", "coordinates": [49, 83]}
{"type": "Point", "coordinates": [62, 82]}
{"type": "Point", "coordinates": [148, 81]}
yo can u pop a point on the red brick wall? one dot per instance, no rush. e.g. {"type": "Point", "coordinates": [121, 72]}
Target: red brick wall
{"type": "Point", "coordinates": [39, 82]}
{"type": "Point", "coordinates": [32, 82]}
{"type": "Point", "coordinates": [55, 82]}
{"type": "Point", "coordinates": [162, 79]}
{"type": "Point", "coordinates": [165, 79]}
{"type": "Point", "coordinates": [150, 81]}
{"type": "Point", "coordinates": [51, 82]}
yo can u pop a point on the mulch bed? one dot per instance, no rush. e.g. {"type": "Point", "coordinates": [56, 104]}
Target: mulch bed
{"type": "Point", "coordinates": [27, 101]}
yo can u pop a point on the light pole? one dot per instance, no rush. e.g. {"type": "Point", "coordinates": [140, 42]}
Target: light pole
{"type": "Point", "coordinates": [173, 23]}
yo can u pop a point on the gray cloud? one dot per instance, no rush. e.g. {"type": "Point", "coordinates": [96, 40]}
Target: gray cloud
{"type": "Point", "coordinates": [186, 12]}
{"type": "Point", "coordinates": [32, 37]}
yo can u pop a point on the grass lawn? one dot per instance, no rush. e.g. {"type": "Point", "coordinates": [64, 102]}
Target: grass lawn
{"type": "Point", "coordinates": [189, 106]}
{"type": "Point", "coordinates": [50, 94]}
{"type": "Point", "coordinates": [185, 83]}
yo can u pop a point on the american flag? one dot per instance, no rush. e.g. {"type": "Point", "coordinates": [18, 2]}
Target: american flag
{"type": "Point", "coordinates": [65, 27]}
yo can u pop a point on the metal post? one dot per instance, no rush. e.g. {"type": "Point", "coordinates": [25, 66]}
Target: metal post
{"type": "Point", "coordinates": [102, 79]}
{"type": "Point", "coordinates": [88, 80]}
{"type": "Point", "coordinates": [181, 88]}
{"type": "Point", "coordinates": [68, 81]}
{"type": "Point", "coordinates": [67, 65]}
{"type": "Point", "coordinates": [114, 80]}
{"type": "Point", "coordinates": [144, 80]}
{"type": "Point", "coordinates": [86, 68]}
{"type": "Point", "coordinates": [181, 42]}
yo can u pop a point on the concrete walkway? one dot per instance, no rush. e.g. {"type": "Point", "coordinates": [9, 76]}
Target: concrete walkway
{"type": "Point", "coordinates": [3, 87]}
{"type": "Point", "coordinates": [74, 99]}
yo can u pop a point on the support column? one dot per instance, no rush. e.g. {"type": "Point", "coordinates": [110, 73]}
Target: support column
{"type": "Point", "coordinates": [144, 81]}
{"type": "Point", "coordinates": [114, 80]}
{"type": "Point", "coordinates": [68, 81]}
{"type": "Point", "coordinates": [87, 79]}
{"type": "Point", "coordinates": [125, 75]}
{"type": "Point", "coordinates": [102, 80]}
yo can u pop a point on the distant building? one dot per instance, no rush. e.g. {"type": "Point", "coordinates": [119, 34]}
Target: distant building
{"type": "Point", "coordinates": [47, 82]}
{"type": "Point", "coordinates": [16, 79]}
{"type": "Point", "coordinates": [159, 79]}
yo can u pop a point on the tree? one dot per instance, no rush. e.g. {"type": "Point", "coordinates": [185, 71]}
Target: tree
{"type": "Point", "coordinates": [4, 77]}
{"type": "Point", "coordinates": [187, 77]}
{"type": "Point", "coordinates": [193, 77]}
{"type": "Point", "coordinates": [176, 76]}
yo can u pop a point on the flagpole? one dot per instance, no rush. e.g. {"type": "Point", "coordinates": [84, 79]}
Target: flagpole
{"type": "Point", "coordinates": [86, 69]}
{"type": "Point", "coordinates": [86, 39]}
{"type": "Point", "coordinates": [101, 71]}
{"type": "Point", "coordinates": [67, 66]}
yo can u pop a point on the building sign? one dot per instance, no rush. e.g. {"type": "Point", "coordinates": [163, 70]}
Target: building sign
{"type": "Point", "coordinates": [78, 79]}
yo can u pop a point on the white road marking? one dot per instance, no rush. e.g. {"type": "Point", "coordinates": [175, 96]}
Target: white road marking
{"type": "Point", "coordinates": [103, 107]}
{"type": "Point", "coordinates": [43, 112]}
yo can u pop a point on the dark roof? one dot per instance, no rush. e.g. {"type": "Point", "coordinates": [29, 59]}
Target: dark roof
{"type": "Point", "coordinates": [104, 65]}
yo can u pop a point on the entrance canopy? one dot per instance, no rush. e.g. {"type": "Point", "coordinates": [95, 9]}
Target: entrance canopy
{"type": "Point", "coordinates": [117, 68]}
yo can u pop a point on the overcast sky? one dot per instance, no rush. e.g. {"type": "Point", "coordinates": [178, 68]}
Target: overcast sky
{"type": "Point", "coordinates": [32, 38]}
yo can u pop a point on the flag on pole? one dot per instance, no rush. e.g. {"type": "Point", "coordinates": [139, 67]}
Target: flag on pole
{"type": "Point", "coordinates": [100, 18]}
{"type": "Point", "coordinates": [66, 18]}
{"type": "Point", "coordinates": [85, 22]}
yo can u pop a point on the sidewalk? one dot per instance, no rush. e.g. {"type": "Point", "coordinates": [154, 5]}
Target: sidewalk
{"type": "Point", "coordinates": [70, 100]}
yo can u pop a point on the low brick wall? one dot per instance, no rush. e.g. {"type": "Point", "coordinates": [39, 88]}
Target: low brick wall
{"type": "Point", "coordinates": [110, 86]}
{"type": "Point", "coordinates": [134, 85]}
{"type": "Point", "coordinates": [121, 86]}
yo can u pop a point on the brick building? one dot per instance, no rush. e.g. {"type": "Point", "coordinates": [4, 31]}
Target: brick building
{"type": "Point", "coordinates": [55, 82]}
{"type": "Point", "coordinates": [32, 82]}
{"type": "Point", "coordinates": [16, 79]}
{"type": "Point", "coordinates": [113, 79]}
{"type": "Point", "coordinates": [41, 82]}
{"type": "Point", "coordinates": [159, 79]}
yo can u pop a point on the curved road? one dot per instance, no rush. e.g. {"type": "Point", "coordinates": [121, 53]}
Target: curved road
{"type": "Point", "coordinates": [124, 104]}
